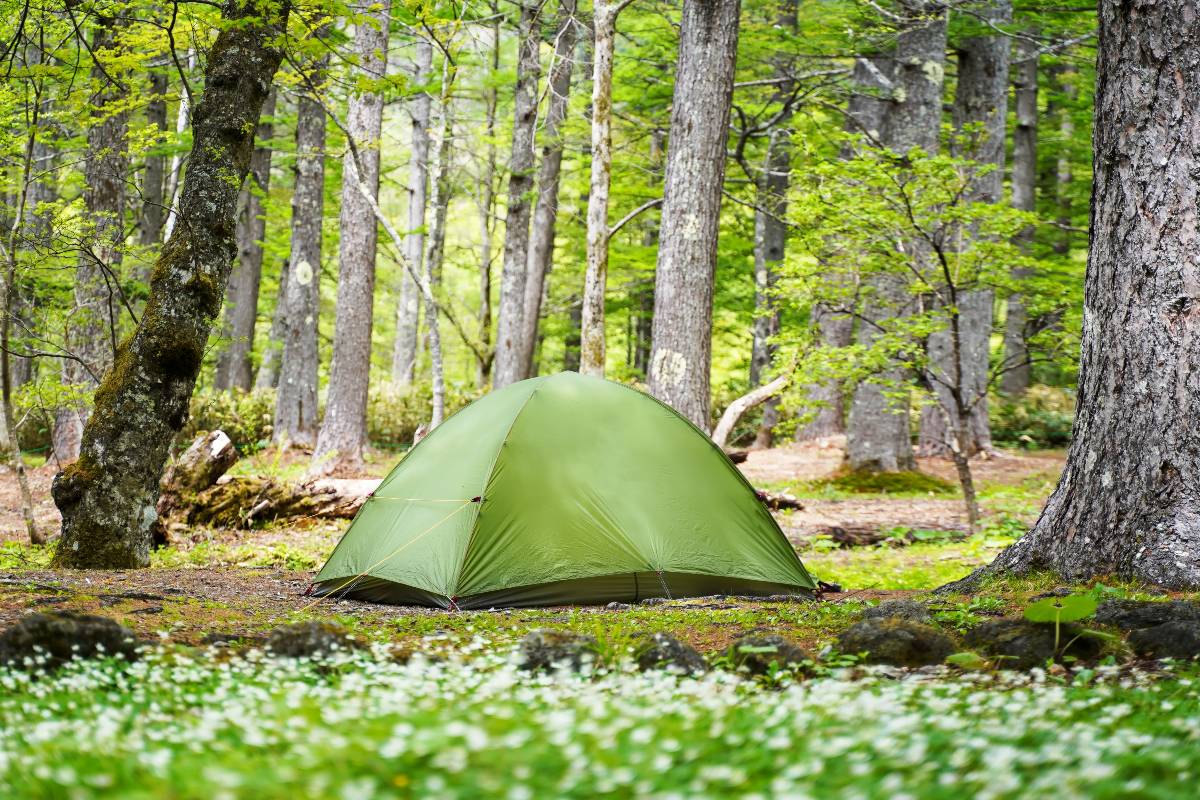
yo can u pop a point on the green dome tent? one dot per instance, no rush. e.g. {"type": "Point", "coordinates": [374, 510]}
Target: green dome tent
{"type": "Point", "coordinates": [562, 489]}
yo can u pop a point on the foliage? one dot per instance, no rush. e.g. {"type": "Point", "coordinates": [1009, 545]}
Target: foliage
{"type": "Point", "coordinates": [394, 414]}
{"type": "Point", "coordinates": [912, 482]}
{"type": "Point", "coordinates": [1042, 418]}
{"type": "Point", "coordinates": [246, 417]}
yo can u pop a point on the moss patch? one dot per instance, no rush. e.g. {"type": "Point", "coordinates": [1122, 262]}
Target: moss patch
{"type": "Point", "coordinates": [864, 482]}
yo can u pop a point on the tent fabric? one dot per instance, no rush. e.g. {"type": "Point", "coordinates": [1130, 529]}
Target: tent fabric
{"type": "Point", "coordinates": [562, 489]}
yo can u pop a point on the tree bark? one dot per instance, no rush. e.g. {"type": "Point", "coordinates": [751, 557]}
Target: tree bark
{"type": "Point", "coordinates": [183, 117]}
{"type": "Point", "coordinates": [408, 312]}
{"type": "Point", "coordinates": [980, 99]}
{"type": "Point", "coordinates": [267, 376]}
{"type": "Point", "coordinates": [687, 257]}
{"type": "Point", "coordinates": [878, 437]}
{"type": "Point", "coordinates": [92, 331]}
{"type": "Point", "coordinates": [545, 213]}
{"type": "Point", "coordinates": [296, 401]}
{"type": "Point", "coordinates": [108, 496]}
{"type": "Point", "coordinates": [770, 239]}
{"type": "Point", "coordinates": [487, 206]}
{"type": "Point", "coordinates": [154, 173]}
{"type": "Point", "coordinates": [1015, 380]}
{"type": "Point", "coordinates": [234, 367]}
{"type": "Point", "coordinates": [442, 159]}
{"type": "Point", "coordinates": [509, 365]}
{"type": "Point", "coordinates": [344, 429]}
{"type": "Point", "coordinates": [595, 283]}
{"type": "Point", "coordinates": [1128, 501]}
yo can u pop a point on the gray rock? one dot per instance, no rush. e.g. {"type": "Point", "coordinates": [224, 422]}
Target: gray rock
{"type": "Point", "coordinates": [911, 610]}
{"type": "Point", "coordinates": [1021, 644]}
{"type": "Point", "coordinates": [310, 640]}
{"type": "Point", "coordinates": [550, 649]}
{"type": "Point", "coordinates": [664, 651]}
{"type": "Point", "coordinates": [616, 606]}
{"type": "Point", "coordinates": [758, 655]}
{"type": "Point", "coordinates": [1132, 615]}
{"type": "Point", "coordinates": [897, 641]}
{"type": "Point", "coordinates": [62, 636]}
{"type": "Point", "coordinates": [1176, 639]}
{"type": "Point", "coordinates": [655, 601]}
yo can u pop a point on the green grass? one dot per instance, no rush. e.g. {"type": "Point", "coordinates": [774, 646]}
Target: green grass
{"type": "Point", "coordinates": [367, 727]}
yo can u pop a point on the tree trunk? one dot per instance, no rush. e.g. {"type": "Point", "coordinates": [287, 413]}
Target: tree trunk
{"type": "Point", "coordinates": [108, 496]}
{"type": "Point", "coordinates": [408, 312]}
{"type": "Point", "coordinates": [344, 429]}
{"type": "Point", "coordinates": [442, 161]}
{"type": "Point", "coordinates": [1015, 379]}
{"type": "Point", "coordinates": [592, 328]}
{"type": "Point", "coordinates": [879, 437]}
{"type": "Point", "coordinates": [687, 258]}
{"type": "Point", "coordinates": [296, 402]}
{"type": "Point", "coordinates": [234, 368]}
{"type": "Point", "coordinates": [572, 337]}
{"type": "Point", "coordinates": [1128, 502]}
{"type": "Point", "coordinates": [545, 213]}
{"type": "Point", "coordinates": [92, 331]}
{"type": "Point", "coordinates": [1064, 171]}
{"type": "Point", "coordinates": [487, 206]}
{"type": "Point", "coordinates": [183, 117]}
{"type": "Point", "coordinates": [153, 205]}
{"type": "Point", "coordinates": [980, 99]}
{"type": "Point", "coordinates": [866, 112]}
{"type": "Point", "coordinates": [770, 239]}
{"type": "Point", "coordinates": [267, 376]}
{"type": "Point", "coordinates": [509, 365]}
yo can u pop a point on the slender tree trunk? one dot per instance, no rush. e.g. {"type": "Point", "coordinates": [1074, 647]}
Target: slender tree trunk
{"type": "Point", "coordinates": [572, 338]}
{"type": "Point", "coordinates": [183, 117]}
{"type": "Point", "coordinates": [440, 201]}
{"type": "Point", "coordinates": [408, 312]}
{"type": "Point", "coordinates": [267, 376]}
{"type": "Point", "coordinates": [643, 300]}
{"type": "Point", "coordinates": [92, 332]}
{"type": "Point", "coordinates": [154, 174]}
{"type": "Point", "coordinates": [866, 112]}
{"type": "Point", "coordinates": [296, 402]}
{"type": "Point", "coordinates": [878, 437]}
{"type": "Point", "coordinates": [770, 239]}
{"type": "Point", "coordinates": [234, 367]}
{"type": "Point", "coordinates": [344, 429]}
{"type": "Point", "coordinates": [1128, 502]}
{"type": "Point", "coordinates": [108, 496]}
{"type": "Point", "coordinates": [595, 284]}
{"type": "Point", "coordinates": [545, 213]}
{"type": "Point", "coordinates": [687, 257]}
{"type": "Point", "coordinates": [509, 365]}
{"type": "Point", "coordinates": [487, 206]}
{"type": "Point", "coordinates": [980, 99]}
{"type": "Point", "coordinates": [1015, 380]}
{"type": "Point", "coordinates": [1064, 172]}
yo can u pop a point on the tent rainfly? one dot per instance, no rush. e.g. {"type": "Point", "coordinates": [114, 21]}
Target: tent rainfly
{"type": "Point", "coordinates": [562, 489]}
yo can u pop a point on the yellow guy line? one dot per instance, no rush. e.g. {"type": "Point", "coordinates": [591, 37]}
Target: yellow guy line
{"type": "Point", "coordinates": [396, 552]}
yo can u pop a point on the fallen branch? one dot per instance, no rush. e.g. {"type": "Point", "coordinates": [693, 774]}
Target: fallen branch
{"type": "Point", "coordinates": [740, 406]}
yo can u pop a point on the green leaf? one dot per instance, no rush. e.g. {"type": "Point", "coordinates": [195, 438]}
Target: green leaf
{"type": "Point", "coordinates": [968, 661]}
{"type": "Point", "coordinates": [1061, 609]}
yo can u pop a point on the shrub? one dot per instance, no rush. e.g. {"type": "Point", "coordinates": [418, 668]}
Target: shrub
{"type": "Point", "coordinates": [394, 414]}
{"type": "Point", "coordinates": [1040, 419]}
{"type": "Point", "coordinates": [246, 417]}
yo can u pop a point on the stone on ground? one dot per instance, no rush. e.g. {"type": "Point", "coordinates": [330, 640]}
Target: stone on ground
{"type": "Point", "coordinates": [310, 640]}
{"type": "Point", "coordinates": [554, 649]}
{"type": "Point", "coordinates": [896, 641]}
{"type": "Point", "coordinates": [1021, 644]}
{"type": "Point", "coordinates": [1132, 615]}
{"type": "Point", "coordinates": [62, 636]}
{"type": "Point", "coordinates": [759, 655]}
{"type": "Point", "coordinates": [664, 651]}
{"type": "Point", "coordinates": [911, 610]}
{"type": "Point", "coordinates": [1175, 639]}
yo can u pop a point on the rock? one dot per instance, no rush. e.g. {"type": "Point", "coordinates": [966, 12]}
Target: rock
{"type": "Point", "coordinates": [310, 640]}
{"type": "Point", "coordinates": [616, 606]}
{"type": "Point", "coordinates": [655, 601]}
{"type": "Point", "coordinates": [551, 649]}
{"type": "Point", "coordinates": [1020, 644]}
{"type": "Point", "coordinates": [664, 651]}
{"type": "Point", "coordinates": [911, 610]}
{"type": "Point", "coordinates": [231, 639]}
{"type": "Point", "coordinates": [61, 636]}
{"type": "Point", "coordinates": [897, 641]}
{"type": "Point", "coordinates": [1132, 615]}
{"type": "Point", "coordinates": [759, 655]}
{"type": "Point", "coordinates": [1176, 639]}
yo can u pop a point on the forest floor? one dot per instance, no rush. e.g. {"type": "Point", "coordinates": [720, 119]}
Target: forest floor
{"type": "Point", "coordinates": [440, 704]}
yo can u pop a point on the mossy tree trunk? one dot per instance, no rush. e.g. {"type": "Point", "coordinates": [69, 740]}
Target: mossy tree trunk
{"type": "Point", "coordinates": [108, 496]}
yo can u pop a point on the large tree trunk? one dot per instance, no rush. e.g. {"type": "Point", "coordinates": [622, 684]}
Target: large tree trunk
{"type": "Point", "coordinates": [509, 365]}
{"type": "Point", "coordinates": [408, 311]}
{"type": "Point", "coordinates": [1015, 379]}
{"type": "Point", "coordinates": [344, 428]}
{"type": "Point", "coordinates": [108, 496]}
{"type": "Point", "coordinates": [1128, 502]}
{"type": "Point", "coordinates": [234, 368]}
{"type": "Point", "coordinates": [595, 282]}
{"type": "Point", "coordinates": [687, 257]}
{"type": "Point", "coordinates": [296, 402]}
{"type": "Point", "coordinates": [878, 437]}
{"type": "Point", "coordinates": [980, 99]}
{"type": "Point", "coordinates": [866, 112]}
{"type": "Point", "coordinates": [93, 328]}
{"type": "Point", "coordinates": [545, 213]}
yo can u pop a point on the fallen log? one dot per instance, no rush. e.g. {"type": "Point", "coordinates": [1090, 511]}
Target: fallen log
{"type": "Point", "coordinates": [848, 536]}
{"type": "Point", "coordinates": [780, 501]}
{"type": "Point", "coordinates": [247, 501]}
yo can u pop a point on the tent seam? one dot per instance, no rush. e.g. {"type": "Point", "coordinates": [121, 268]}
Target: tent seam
{"type": "Point", "coordinates": [483, 489]}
